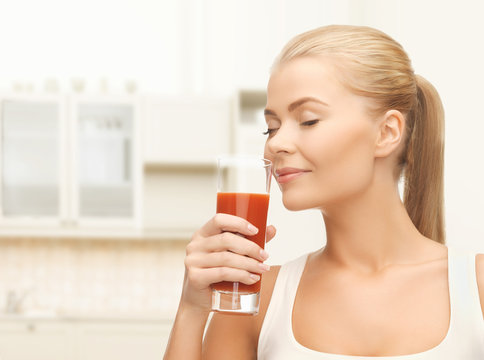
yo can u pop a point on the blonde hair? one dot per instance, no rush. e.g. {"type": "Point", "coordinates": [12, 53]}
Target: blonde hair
{"type": "Point", "coordinates": [374, 65]}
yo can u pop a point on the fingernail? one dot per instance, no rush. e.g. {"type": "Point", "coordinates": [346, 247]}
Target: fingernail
{"type": "Point", "coordinates": [253, 229]}
{"type": "Point", "coordinates": [264, 255]}
{"type": "Point", "coordinates": [264, 267]}
{"type": "Point", "coordinates": [255, 277]}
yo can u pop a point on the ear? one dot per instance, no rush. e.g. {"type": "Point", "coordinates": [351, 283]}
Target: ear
{"type": "Point", "coordinates": [390, 133]}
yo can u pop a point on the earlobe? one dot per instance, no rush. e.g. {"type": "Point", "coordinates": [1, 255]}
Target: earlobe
{"type": "Point", "coordinates": [390, 133]}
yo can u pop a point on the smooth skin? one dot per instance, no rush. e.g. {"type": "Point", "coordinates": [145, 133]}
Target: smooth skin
{"type": "Point", "coordinates": [379, 285]}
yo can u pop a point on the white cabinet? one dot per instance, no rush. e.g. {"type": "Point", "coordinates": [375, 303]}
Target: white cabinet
{"type": "Point", "coordinates": [70, 161]}
{"type": "Point", "coordinates": [123, 341]}
{"type": "Point", "coordinates": [32, 150]}
{"type": "Point", "coordinates": [179, 199]}
{"type": "Point", "coordinates": [183, 137]}
{"type": "Point", "coordinates": [32, 340]}
{"type": "Point", "coordinates": [107, 169]}
{"type": "Point", "coordinates": [104, 158]}
{"type": "Point", "coordinates": [79, 339]}
{"type": "Point", "coordinates": [186, 129]}
{"type": "Point", "coordinates": [110, 166]}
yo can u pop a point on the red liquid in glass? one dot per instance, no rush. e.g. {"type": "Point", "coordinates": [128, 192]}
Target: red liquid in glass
{"type": "Point", "coordinates": [252, 207]}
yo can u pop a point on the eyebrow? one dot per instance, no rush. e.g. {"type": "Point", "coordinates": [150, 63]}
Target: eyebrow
{"type": "Point", "coordinates": [293, 106]}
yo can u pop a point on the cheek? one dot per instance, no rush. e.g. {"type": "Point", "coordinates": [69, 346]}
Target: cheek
{"type": "Point", "coordinates": [345, 162]}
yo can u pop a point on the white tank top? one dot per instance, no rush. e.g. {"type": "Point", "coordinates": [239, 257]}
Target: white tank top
{"type": "Point", "coordinates": [464, 339]}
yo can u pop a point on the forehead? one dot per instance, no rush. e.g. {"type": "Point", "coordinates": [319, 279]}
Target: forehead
{"type": "Point", "coordinates": [304, 76]}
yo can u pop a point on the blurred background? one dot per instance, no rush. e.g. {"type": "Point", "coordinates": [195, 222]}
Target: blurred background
{"type": "Point", "coordinates": [111, 116]}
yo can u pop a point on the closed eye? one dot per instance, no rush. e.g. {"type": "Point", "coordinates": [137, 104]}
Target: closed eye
{"type": "Point", "coordinates": [269, 131]}
{"type": "Point", "coordinates": [310, 122]}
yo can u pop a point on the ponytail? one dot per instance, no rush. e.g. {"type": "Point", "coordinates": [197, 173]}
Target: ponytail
{"type": "Point", "coordinates": [424, 163]}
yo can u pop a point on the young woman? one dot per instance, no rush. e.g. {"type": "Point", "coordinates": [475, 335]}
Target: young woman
{"type": "Point", "coordinates": [346, 117]}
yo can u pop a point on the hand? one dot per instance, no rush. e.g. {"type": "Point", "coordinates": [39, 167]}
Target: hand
{"type": "Point", "coordinates": [219, 252]}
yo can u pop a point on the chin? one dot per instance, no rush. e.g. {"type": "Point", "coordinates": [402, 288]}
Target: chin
{"type": "Point", "coordinates": [297, 203]}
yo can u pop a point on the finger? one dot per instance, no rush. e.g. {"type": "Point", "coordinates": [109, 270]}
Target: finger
{"type": "Point", "coordinates": [236, 244]}
{"type": "Point", "coordinates": [229, 259]}
{"type": "Point", "coordinates": [270, 233]}
{"type": "Point", "coordinates": [225, 222]}
{"type": "Point", "coordinates": [218, 274]}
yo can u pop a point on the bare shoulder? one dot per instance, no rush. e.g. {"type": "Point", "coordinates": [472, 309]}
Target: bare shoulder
{"type": "Point", "coordinates": [237, 336]}
{"type": "Point", "coordinates": [480, 278]}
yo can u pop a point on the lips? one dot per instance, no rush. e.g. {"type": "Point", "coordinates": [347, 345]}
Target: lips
{"type": "Point", "coordinates": [287, 174]}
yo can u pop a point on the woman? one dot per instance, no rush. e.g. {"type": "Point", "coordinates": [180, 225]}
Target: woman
{"type": "Point", "coordinates": [346, 117]}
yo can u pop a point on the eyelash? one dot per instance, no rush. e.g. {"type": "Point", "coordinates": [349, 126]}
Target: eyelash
{"type": "Point", "coordinates": [310, 122]}
{"type": "Point", "coordinates": [306, 123]}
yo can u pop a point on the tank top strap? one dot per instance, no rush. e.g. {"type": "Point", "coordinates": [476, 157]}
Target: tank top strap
{"type": "Point", "coordinates": [292, 275]}
{"type": "Point", "coordinates": [279, 312]}
{"type": "Point", "coordinates": [466, 313]}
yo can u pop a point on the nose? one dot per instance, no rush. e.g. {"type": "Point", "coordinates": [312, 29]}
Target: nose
{"type": "Point", "coordinates": [282, 141]}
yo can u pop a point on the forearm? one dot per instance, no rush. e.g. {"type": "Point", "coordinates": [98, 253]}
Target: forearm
{"type": "Point", "coordinates": [187, 335]}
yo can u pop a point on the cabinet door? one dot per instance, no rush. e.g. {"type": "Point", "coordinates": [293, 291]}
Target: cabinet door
{"type": "Point", "coordinates": [35, 341]}
{"type": "Point", "coordinates": [105, 161]}
{"type": "Point", "coordinates": [123, 341]}
{"type": "Point", "coordinates": [184, 129]}
{"type": "Point", "coordinates": [31, 158]}
{"type": "Point", "coordinates": [179, 198]}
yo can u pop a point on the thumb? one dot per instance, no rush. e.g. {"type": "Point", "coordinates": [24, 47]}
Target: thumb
{"type": "Point", "coordinates": [270, 233]}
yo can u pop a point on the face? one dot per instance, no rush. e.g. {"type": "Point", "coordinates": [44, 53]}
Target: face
{"type": "Point", "coordinates": [321, 137]}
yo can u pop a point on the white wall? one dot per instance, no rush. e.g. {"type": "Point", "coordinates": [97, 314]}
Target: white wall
{"type": "Point", "coordinates": [93, 39]}
{"type": "Point", "coordinates": [169, 46]}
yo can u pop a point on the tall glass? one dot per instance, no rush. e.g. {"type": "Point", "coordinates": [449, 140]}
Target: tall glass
{"type": "Point", "coordinates": [243, 190]}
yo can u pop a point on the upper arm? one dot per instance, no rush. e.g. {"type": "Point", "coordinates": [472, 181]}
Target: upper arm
{"type": "Point", "coordinates": [480, 278]}
{"type": "Point", "coordinates": [229, 337]}
{"type": "Point", "coordinates": [236, 336]}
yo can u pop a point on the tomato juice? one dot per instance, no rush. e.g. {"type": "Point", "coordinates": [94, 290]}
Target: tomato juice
{"type": "Point", "coordinates": [252, 207]}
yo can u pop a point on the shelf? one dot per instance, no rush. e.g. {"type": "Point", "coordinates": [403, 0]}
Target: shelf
{"type": "Point", "coordinates": [194, 164]}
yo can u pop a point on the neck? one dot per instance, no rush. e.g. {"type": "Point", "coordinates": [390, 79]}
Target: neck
{"type": "Point", "coordinates": [371, 231]}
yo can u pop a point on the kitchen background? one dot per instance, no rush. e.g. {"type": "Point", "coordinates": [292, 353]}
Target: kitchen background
{"type": "Point", "coordinates": [111, 115]}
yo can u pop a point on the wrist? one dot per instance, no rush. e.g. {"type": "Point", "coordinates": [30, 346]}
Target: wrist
{"type": "Point", "coordinates": [193, 312]}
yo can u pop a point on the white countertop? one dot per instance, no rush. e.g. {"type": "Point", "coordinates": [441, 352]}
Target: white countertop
{"type": "Point", "coordinates": [183, 234]}
{"type": "Point", "coordinates": [72, 317]}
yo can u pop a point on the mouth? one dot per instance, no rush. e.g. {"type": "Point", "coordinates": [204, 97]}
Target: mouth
{"type": "Point", "coordinates": [287, 174]}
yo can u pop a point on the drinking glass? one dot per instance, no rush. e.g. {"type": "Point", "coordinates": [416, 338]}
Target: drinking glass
{"type": "Point", "coordinates": [243, 190]}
